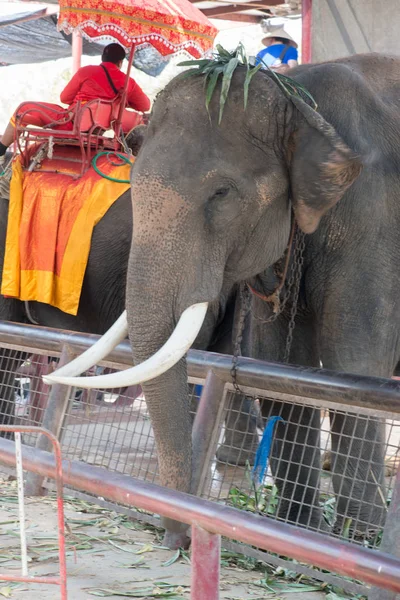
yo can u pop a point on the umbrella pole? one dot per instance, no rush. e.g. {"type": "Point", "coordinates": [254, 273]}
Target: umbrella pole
{"type": "Point", "coordinates": [124, 94]}
{"type": "Point", "coordinates": [306, 31]}
{"type": "Point", "coordinates": [76, 51]}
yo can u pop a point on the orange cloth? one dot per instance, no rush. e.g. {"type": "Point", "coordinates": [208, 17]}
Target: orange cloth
{"type": "Point", "coordinates": [50, 224]}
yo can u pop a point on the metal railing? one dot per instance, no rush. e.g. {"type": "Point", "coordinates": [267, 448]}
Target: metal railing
{"type": "Point", "coordinates": [304, 388]}
{"type": "Point", "coordinates": [211, 520]}
{"type": "Point", "coordinates": [306, 382]}
{"type": "Point", "coordinates": [58, 476]}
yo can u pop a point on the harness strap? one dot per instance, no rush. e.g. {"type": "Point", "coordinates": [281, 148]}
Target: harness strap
{"type": "Point", "coordinates": [283, 53]}
{"type": "Point", "coordinates": [274, 297]}
{"type": "Point", "coordinates": [110, 81]}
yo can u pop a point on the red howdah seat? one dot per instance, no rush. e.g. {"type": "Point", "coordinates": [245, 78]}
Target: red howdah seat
{"type": "Point", "coordinates": [84, 125]}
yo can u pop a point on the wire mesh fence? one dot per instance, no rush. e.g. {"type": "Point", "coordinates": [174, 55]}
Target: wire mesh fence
{"type": "Point", "coordinates": [328, 471]}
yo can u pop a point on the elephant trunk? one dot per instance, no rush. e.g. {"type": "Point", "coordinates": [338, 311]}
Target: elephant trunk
{"type": "Point", "coordinates": [151, 321]}
{"type": "Point", "coordinates": [167, 402]}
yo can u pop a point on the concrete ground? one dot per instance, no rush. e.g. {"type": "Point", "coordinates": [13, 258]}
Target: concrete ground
{"type": "Point", "coordinates": [110, 556]}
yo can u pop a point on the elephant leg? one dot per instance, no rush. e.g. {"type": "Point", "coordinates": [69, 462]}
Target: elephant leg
{"type": "Point", "coordinates": [10, 360]}
{"type": "Point", "coordinates": [241, 436]}
{"type": "Point", "coordinates": [296, 463]}
{"type": "Point", "coordinates": [358, 455]}
{"type": "Point", "coordinates": [39, 391]}
{"type": "Point", "coordinates": [295, 455]}
{"type": "Point", "coordinates": [354, 342]}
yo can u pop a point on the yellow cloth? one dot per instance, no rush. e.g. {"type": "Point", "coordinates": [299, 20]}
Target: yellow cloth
{"type": "Point", "coordinates": [50, 224]}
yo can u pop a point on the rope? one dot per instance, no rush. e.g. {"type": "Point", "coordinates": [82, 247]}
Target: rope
{"type": "Point", "coordinates": [29, 314]}
{"type": "Point", "coordinates": [5, 178]}
{"type": "Point", "coordinates": [120, 156]}
{"type": "Point", "coordinates": [50, 148]}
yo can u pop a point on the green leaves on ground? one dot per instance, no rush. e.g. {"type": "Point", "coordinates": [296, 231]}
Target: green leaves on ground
{"type": "Point", "coordinates": [158, 589]}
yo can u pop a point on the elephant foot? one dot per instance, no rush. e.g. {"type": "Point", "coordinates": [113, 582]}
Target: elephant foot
{"type": "Point", "coordinates": [308, 517]}
{"type": "Point", "coordinates": [391, 463]}
{"type": "Point", "coordinates": [174, 540]}
{"type": "Point", "coordinates": [327, 461]}
{"type": "Point", "coordinates": [363, 534]}
{"type": "Point", "coordinates": [360, 528]}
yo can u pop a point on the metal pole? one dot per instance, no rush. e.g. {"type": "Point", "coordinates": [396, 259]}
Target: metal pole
{"type": "Point", "coordinates": [306, 22]}
{"type": "Point", "coordinates": [206, 428]}
{"type": "Point", "coordinates": [52, 421]}
{"type": "Point", "coordinates": [206, 552]}
{"type": "Point", "coordinates": [375, 568]}
{"type": "Point", "coordinates": [58, 476]}
{"type": "Point", "coordinates": [21, 503]}
{"type": "Point", "coordinates": [303, 382]}
{"type": "Point", "coordinates": [124, 92]}
{"type": "Point", "coordinates": [76, 51]}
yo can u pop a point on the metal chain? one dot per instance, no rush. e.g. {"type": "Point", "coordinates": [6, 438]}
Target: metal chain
{"type": "Point", "coordinates": [292, 291]}
{"type": "Point", "coordinates": [122, 140]}
{"type": "Point", "coordinates": [38, 158]}
{"type": "Point", "coordinates": [294, 283]}
{"type": "Point", "coordinates": [281, 303]}
{"type": "Point", "coordinates": [245, 300]}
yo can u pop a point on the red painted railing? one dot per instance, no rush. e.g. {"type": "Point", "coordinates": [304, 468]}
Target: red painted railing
{"type": "Point", "coordinates": [58, 476]}
{"type": "Point", "coordinates": [210, 520]}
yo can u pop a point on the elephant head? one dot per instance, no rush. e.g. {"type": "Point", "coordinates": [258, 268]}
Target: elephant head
{"type": "Point", "coordinates": [212, 207]}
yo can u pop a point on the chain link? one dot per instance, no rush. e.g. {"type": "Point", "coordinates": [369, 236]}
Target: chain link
{"type": "Point", "coordinates": [245, 300]}
{"type": "Point", "coordinates": [292, 290]}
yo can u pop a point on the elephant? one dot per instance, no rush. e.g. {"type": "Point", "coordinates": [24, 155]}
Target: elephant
{"type": "Point", "coordinates": [214, 205]}
{"type": "Point", "coordinates": [102, 301]}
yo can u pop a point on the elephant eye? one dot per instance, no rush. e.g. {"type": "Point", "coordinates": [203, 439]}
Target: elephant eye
{"type": "Point", "coordinates": [222, 192]}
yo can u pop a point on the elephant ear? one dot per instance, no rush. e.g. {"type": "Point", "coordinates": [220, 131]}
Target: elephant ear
{"type": "Point", "coordinates": [322, 168]}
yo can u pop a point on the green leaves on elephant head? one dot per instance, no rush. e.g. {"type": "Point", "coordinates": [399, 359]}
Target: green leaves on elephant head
{"type": "Point", "coordinates": [223, 63]}
{"type": "Point", "coordinates": [291, 88]}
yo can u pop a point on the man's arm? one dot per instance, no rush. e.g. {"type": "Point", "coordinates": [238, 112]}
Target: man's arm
{"type": "Point", "coordinates": [137, 99]}
{"type": "Point", "coordinates": [70, 91]}
{"type": "Point", "coordinates": [290, 59]}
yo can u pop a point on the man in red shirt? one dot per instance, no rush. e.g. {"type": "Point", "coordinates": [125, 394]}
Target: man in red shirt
{"type": "Point", "coordinates": [102, 82]}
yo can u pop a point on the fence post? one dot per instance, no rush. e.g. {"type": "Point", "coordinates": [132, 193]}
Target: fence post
{"type": "Point", "coordinates": [206, 429]}
{"type": "Point", "coordinates": [390, 539]}
{"type": "Point", "coordinates": [206, 551]}
{"type": "Point", "coordinates": [52, 421]}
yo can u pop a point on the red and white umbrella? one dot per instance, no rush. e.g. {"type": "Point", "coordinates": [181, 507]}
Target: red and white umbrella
{"type": "Point", "coordinates": [169, 26]}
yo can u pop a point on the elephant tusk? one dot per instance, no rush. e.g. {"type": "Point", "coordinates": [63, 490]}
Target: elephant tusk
{"type": "Point", "coordinates": [169, 354]}
{"type": "Point", "coordinates": [98, 351]}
